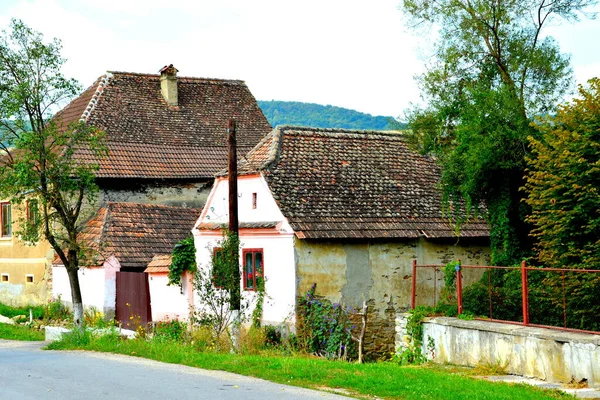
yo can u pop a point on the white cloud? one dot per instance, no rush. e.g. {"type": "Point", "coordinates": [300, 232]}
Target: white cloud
{"type": "Point", "coordinates": [352, 53]}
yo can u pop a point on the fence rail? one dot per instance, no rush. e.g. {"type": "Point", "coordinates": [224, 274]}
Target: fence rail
{"type": "Point", "coordinates": [562, 275]}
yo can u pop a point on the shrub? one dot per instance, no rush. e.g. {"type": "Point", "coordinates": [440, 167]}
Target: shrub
{"type": "Point", "coordinates": [170, 331]}
{"type": "Point", "coordinates": [56, 310]}
{"type": "Point", "coordinates": [323, 328]}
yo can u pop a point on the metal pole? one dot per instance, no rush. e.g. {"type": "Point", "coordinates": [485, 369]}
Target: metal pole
{"type": "Point", "coordinates": [525, 293]}
{"type": "Point", "coordinates": [459, 288]}
{"type": "Point", "coordinates": [233, 210]}
{"type": "Point", "coordinates": [413, 291]}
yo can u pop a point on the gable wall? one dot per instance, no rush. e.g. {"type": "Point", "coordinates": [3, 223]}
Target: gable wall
{"type": "Point", "coordinates": [277, 243]}
{"type": "Point", "coordinates": [379, 273]}
{"type": "Point", "coordinates": [191, 194]}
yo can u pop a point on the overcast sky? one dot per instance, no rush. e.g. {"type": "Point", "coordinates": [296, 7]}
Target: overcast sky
{"type": "Point", "coordinates": [350, 53]}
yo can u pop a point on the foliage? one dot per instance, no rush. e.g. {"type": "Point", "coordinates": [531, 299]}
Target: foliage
{"type": "Point", "coordinates": [272, 336]}
{"type": "Point", "coordinates": [20, 332]}
{"type": "Point", "coordinates": [173, 330]}
{"type": "Point", "coordinates": [382, 380]}
{"type": "Point", "coordinates": [318, 116]}
{"type": "Point", "coordinates": [563, 184]}
{"type": "Point", "coordinates": [218, 284]}
{"type": "Point", "coordinates": [493, 68]}
{"type": "Point", "coordinates": [183, 259]}
{"type": "Point", "coordinates": [323, 328]}
{"type": "Point", "coordinates": [412, 353]}
{"type": "Point", "coordinates": [37, 153]}
{"type": "Point", "coordinates": [56, 310]}
{"type": "Point", "coordinates": [12, 311]}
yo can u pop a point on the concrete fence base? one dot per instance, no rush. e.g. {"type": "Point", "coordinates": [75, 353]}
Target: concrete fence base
{"type": "Point", "coordinates": [548, 354]}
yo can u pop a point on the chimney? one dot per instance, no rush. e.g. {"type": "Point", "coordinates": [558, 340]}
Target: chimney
{"type": "Point", "coordinates": [168, 84]}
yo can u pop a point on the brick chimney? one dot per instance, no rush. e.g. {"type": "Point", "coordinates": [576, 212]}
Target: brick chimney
{"type": "Point", "coordinates": [168, 84]}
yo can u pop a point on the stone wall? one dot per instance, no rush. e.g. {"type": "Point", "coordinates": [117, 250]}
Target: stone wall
{"type": "Point", "coordinates": [379, 273]}
{"type": "Point", "coordinates": [191, 194]}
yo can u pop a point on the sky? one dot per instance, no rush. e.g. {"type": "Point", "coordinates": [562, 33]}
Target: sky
{"type": "Point", "coordinates": [357, 54]}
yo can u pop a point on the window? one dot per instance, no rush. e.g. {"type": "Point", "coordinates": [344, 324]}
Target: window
{"type": "Point", "coordinates": [253, 268]}
{"type": "Point", "coordinates": [33, 213]}
{"type": "Point", "coordinates": [29, 278]}
{"type": "Point", "coordinates": [4, 278]}
{"type": "Point", "coordinates": [254, 200]}
{"type": "Point", "coordinates": [5, 220]}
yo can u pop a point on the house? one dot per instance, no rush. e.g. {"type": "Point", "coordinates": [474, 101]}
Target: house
{"type": "Point", "coordinates": [166, 139]}
{"type": "Point", "coordinates": [347, 210]}
{"type": "Point", "coordinates": [129, 237]}
{"type": "Point", "coordinates": [24, 272]}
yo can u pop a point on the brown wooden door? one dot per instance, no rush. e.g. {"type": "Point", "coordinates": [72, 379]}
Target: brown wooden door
{"type": "Point", "coordinates": [133, 299]}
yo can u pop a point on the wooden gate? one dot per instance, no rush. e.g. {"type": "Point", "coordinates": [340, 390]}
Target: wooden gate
{"type": "Point", "coordinates": [133, 299]}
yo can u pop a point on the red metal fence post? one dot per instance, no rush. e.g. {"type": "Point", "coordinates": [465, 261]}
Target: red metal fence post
{"type": "Point", "coordinates": [525, 293]}
{"type": "Point", "coordinates": [459, 287]}
{"type": "Point", "coordinates": [413, 292]}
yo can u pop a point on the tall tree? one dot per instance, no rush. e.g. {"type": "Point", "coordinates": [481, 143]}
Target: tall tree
{"type": "Point", "coordinates": [493, 69]}
{"type": "Point", "coordinates": [563, 183]}
{"type": "Point", "coordinates": [37, 152]}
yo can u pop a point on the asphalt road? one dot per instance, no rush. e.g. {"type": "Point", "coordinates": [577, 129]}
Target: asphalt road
{"type": "Point", "coordinates": [27, 372]}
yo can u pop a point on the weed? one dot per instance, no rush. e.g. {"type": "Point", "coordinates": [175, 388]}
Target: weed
{"type": "Point", "coordinates": [491, 368]}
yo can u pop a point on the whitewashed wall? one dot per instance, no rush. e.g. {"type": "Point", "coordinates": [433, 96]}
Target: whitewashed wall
{"type": "Point", "coordinates": [98, 286]}
{"type": "Point", "coordinates": [170, 302]}
{"type": "Point", "coordinates": [277, 244]}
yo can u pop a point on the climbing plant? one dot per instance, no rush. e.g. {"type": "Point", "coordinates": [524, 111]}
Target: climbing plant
{"type": "Point", "coordinates": [183, 259]}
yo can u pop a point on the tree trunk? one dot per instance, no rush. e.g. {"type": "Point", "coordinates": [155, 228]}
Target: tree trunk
{"type": "Point", "coordinates": [75, 296]}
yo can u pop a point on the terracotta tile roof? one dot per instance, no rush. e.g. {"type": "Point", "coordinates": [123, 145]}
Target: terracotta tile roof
{"type": "Point", "coordinates": [135, 233]}
{"type": "Point", "coordinates": [242, 225]}
{"type": "Point", "coordinates": [149, 139]}
{"type": "Point", "coordinates": [353, 184]}
{"type": "Point", "coordinates": [160, 263]}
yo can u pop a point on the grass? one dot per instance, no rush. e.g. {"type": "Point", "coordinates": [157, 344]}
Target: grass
{"type": "Point", "coordinates": [383, 380]}
{"type": "Point", "coordinates": [10, 311]}
{"type": "Point", "coordinates": [20, 332]}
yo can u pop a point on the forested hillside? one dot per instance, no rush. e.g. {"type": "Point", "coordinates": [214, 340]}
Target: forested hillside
{"type": "Point", "coordinates": [318, 116]}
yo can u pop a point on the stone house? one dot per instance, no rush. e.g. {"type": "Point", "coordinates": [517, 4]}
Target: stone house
{"type": "Point", "coordinates": [166, 139]}
{"type": "Point", "coordinates": [347, 210]}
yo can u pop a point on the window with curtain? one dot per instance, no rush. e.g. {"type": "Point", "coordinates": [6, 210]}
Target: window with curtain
{"type": "Point", "coordinates": [253, 268]}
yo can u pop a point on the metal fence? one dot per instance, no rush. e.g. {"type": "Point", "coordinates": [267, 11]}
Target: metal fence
{"type": "Point", "coordinates": [557, 298]}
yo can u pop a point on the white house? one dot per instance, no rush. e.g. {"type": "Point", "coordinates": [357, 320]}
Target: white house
{"type": "Point", "coordinates": [345, 210]}
{"type": "Point", "coordinates": [267, 242]}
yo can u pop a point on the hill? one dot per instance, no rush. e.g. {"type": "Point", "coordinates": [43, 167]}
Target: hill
{"type": "Point", "coordinates": [319, 116]}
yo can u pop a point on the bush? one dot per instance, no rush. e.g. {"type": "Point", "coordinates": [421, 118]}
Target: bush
{"type": "Point", "coordinates": [272, 336]}
{"type": "Point", "coordinates": [323, 328]}
{"type": "Point", "coordinates": [56, 310]}
{"type": "Point", "coordinates": [170, 331]}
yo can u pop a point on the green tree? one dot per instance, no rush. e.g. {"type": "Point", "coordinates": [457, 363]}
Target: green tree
{"type": "Point", "coordinates": [37, 153]}
{"type": "Point", "coordinates": [492, 70]}
{"type": "Point", "coordinates": [563, 183]}
{"type": "Point", "coordinates": [563, 187]}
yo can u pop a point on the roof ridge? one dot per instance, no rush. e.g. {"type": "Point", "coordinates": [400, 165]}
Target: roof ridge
{"type": "Point", "coordinates": [337, 132]}
{"type": "Point", "coordinates": [189, 78]}
{"type": "Point", "coordinates": [102, 83]}
{"type": "Point", "coordinates": [146, 205]}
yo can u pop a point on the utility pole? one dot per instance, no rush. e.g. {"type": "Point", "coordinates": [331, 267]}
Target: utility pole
{"type": "Point", "coordinates": [233, 212]}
